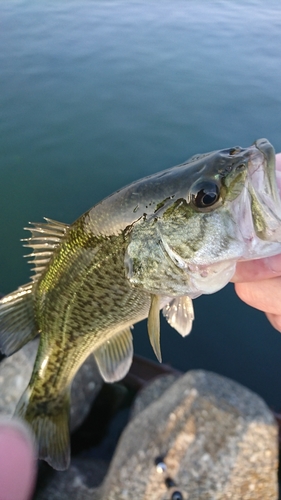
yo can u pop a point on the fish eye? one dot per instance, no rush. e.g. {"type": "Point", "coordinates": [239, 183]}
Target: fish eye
{"type": "Point", "coordinates": [205, 194]}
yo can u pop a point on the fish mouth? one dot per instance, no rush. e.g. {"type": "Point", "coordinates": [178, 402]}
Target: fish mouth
{"type": "Point", "coordinates": [262, 192]}
{"type": "Point", "coordinates": [263, 175]}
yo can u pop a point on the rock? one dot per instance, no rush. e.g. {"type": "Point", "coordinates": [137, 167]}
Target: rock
{"type": "Point", "coordinates": [152, 392]}
{"type": "Point", "coordinates": [197, 436]}
{"type": "Point", "coordinates": [88, 469]}
{"type": "Point", "coordinates": [216, 439]}
{"type": "Point", "coordinates": [79, 482]}
{"type": "Point", "coordinates": [15, 373]}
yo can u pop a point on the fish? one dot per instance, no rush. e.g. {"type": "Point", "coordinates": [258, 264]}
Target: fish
{"type": "Point", "coordinates": [154, 245]}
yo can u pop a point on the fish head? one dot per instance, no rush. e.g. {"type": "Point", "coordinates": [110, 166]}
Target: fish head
{"type": "Point", "coordinates": [221, 207]}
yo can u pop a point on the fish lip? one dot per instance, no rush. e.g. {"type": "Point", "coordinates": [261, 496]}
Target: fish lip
{"type": "Point", "coordinates": [261, 197]}
{"type": "Point", "coordinates": [256, 163]}
{"type": "Point", "coordinates": [264, 146]}
{"type": "Point", "coordinates": [261, 173]}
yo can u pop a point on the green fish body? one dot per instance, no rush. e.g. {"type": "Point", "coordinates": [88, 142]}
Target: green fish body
{"type": "Point", "coordinates": [155, 244]}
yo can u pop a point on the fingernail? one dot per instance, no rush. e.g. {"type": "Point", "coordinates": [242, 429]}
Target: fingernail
{"type": "Point", "coordinates": [274, 263]}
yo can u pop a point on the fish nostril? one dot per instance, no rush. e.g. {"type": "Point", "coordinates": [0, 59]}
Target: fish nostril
{"type": "Point", "coordinates": [235, 150]}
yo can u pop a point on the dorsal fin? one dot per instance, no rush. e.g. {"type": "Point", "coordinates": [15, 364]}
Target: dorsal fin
{"type": "Point", "coordinates": [45, 237]}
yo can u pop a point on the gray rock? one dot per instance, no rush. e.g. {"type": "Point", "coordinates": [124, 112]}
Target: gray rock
{"type": "Point", "coordinates": [152, 392]}
{"type": "Point", "coordinates": [87, 470]}
{"type": "Point", "coordinates": [218, 441]}
{"type": "Point", "coordinates": [79, 482]}
{"type": "Point", "coordinates": [15, 373]}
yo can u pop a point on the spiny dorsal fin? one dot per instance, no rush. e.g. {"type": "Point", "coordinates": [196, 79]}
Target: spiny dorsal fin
{"type": "Point", "coordinates": [153, 326]}
{"type": "Point", "coordinates": [179, 314]}
{"type": "Point", "coordinates": [45, 237]}
{"type": "Point", "coordinates": [114, 356]}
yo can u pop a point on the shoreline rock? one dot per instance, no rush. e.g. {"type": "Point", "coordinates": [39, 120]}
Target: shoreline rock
{"type": "Point", "coordinates": [195, 436]}
{"type": "Point", "coordinates": [217, 439]}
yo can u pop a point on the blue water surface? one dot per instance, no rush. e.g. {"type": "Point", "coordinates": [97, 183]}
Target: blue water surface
{"type": "Point", "coordinates": [97, 93]}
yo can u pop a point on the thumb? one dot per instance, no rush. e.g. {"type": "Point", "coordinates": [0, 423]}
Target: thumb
{"type": "Point", "coordinates": [17, 460]}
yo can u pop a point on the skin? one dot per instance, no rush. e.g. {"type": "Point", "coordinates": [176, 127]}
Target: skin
{"type": "Point", "coordinates": [258, 282]}
{"type": "Point", "coordinates": [18, 462]}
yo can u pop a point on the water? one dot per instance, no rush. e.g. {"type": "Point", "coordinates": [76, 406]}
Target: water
{"type": "Point", "coordinates": [97, 93]}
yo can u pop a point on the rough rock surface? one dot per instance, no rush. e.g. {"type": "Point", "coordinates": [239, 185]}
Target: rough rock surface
{"type": "Point", "coordinates": [15, 373]}
{"type": "Point", "coordinates": [79, 482]}
{"type": "Point", "coordinates": [152, 392]}
{"type": "Point", "coordinates": [217, 439]}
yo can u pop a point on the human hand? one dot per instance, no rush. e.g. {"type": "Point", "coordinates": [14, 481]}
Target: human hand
{"type": "Point", "coordinates": [17, 460]}
{"type": "Point", "coordinates": [258, 282]}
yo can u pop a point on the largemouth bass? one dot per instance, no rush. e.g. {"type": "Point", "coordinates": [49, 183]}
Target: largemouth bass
{"type": "Point", "coordinates": [156, 244]}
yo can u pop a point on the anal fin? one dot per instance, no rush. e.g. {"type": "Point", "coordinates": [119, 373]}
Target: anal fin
{"type": "Point", "coordinates": [114, 356]}
{"type": "Point", "coordinates": [17, 322]}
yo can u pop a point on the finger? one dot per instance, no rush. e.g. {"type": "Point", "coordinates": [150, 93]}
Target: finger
{"type": "Point", "coordinates": [260, 269]}
{"type": "Point", "coordinates": [263, 295]}
{"type": "Point", "coordinates": [275, 320]}
{"type": "Point", "coordinates": [17, 460]}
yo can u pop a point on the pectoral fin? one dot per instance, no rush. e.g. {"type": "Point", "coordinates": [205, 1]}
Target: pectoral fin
{"type": "Point", "coordinates": [153, 326]}
{"type": "Point", "coordinates": [114, 357]}
{"type": "Point", "coordinates": [179, 314]}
